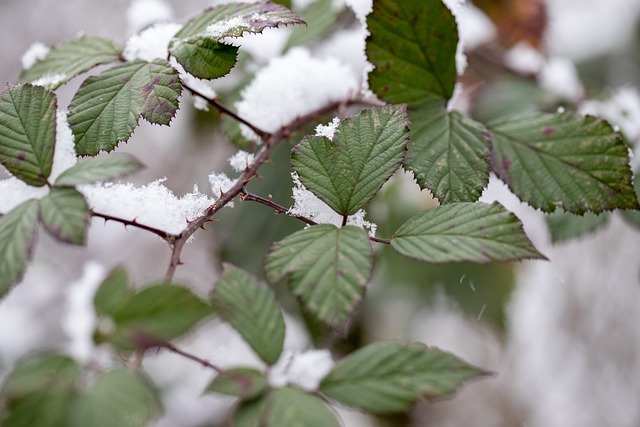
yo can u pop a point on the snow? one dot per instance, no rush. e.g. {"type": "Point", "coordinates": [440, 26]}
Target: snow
{"type": "Point", "coordinates": [291, 86]}
{"type": "Point", "coordinates": [525, 59]}
{"type": "Point", "coordinates": [36, 52]}
{"type": "Point", "coordinates": [457, 9]}
{"type": "Point", "coordinates": [303, 369]}
{"type": "Point", "coordinates": [50, 81]}
{"type": "Point", "coordinates": [622, 108]}
{"type": "Point", "coordinates": [559, 76]}
{"type": "Point", "coordinates": [241, 160]}
{"type": "Point", "coordinates": [152, 43]}
{"type": "Point", "coordinates": [79, 321]}
{"type": "Point", "coordinates": [152, 204]}
{"type": "Point", "coordinates": [221, 183]}
{"type": "Point", "coordinates": [361, 8]}
{"type": "Point", "coordinates": [475, 27]}
{"type": "Point", "coordinates": [64, 155]}
{"type": "Point", "coordinates": [220, 28]}
{"type": "Point", "coordinates": [308, 205]}
{"type": "Point", "coordinates": [328, 130]}
{"type": "Point", "coordinates": [142, 13]}
{"type": "Point", "coordinates": [14, 191]}
{"type": "Point", "coordinates": [203, 87]}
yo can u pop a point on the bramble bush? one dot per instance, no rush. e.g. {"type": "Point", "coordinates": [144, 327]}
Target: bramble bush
{"type": "Point", "coordinates": [400, 119]}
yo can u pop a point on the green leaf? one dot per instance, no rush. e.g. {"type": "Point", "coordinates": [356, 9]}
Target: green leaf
{"type": "Point", "coordinates": [577, 163]}
{"type": "Point", "coordinates": [251, 308]}
{"type": "Point", "coordinates": [65, 215]}
{"type": "Point", "coordinates": [72, 58]}
{"type": "Point", "coordinates": [245, 383]}
{"type": "Point", "coordinates": [150, 317]}
{"type": "Point", "coordinates": [107, 107]}
{"type": "Point", "coordinates": [117, 398]}
{"type": "Point", "coordinates": [205, 57]}
{"type": "Point", "coordinates": [565, 226]}
{"type": "Point", "coordinates": [290, 407]}
{"type": "Point", "coordinates": [473, 232]}
{"type": "Point", "coordinates": [328, 268]}
{"type": "Point", "coordinates": [27, 132]}
{"type": "Point", "coordinates": [17, 239]}
{"type": "Point", "coordinates": [412, 45]}
{"type": "Point", "coordinates": [113, 293]}
{"type": "Point", "coordinates": [448, 154]}
{"type": "Point", "coordinates": [198, 45]}
{"type": "Point", "coordinates": [321, 17]}
{"type": "Point", "coordinates": [248, 412]}
{"type": "Point", "coordinates": [348, 171]}
{"type": "Point", "coordinates": [388, 377]}
{"type": "Point", "coordinates": [100, 168]}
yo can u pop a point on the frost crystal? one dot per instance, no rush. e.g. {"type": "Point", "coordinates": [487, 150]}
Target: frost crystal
{"type": "Point", "coordinates": [151, 43]}
{"type": "Point", "coordinates": [241, 160]}
{"type": "Point", "coordinates": [35, 52]}
{"type": "Point", "coordinates": [304, 370]}
{"type": "Point", "coordinates": [153, 204]}
{"type": "Point", "coordinates": [142, 13]}
{"type": "Point", "coordinates": [328, 130]}
{"type": "Point", "coordinates": [80, 315]}
{"type": "Point", "coordinates": [308, 205]}
{"type": "Point", "coordinates": [221, 183]}
{"type": "Point", "coordinates": [291, 86]}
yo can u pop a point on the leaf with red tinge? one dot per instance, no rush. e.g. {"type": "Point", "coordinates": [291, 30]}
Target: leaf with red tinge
{"type": "Point", "coordinates": [245, 383]}
{"type": "Point", "coordinates": [65, 215]}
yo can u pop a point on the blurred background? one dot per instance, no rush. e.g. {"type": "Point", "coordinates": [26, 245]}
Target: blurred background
{"type": "Point", "coordinates": [562, 336]}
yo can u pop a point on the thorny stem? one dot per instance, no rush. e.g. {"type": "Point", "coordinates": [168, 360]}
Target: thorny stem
{"type": "Point", "coordinates": [205, 363]}
{"type": "Point", "coordinates": [170, 238]}
{"type": "Point", "coordinates": [270, 142]}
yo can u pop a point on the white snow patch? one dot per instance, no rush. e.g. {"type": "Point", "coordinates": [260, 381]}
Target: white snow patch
{"type": "Point", "coordinates": [524, 59]}
{"type": "Point", "coordinates": [622, 108]}
{"type": "Point", "coordinates": [291, 86]}
{"type": "Point", "coordinates": [559, 76]}
{"type": "Point", "coordinates": [221, 183]}
{"type": "Point", "coordinates": [241, 160]}
{"type": "Point", "coordinates": [475, 27]}
{"type": "Point", "coordinates": [308, 205]}
{"type": "Point", "coordinates": [152, 43]}
{"type": "Point", "coordinates": [80, 319]}
{"type": "Point", "coordinates": [14, 191]}
{"type": "Point", "coordinates": [64, 155]}
{"type": "Point", "coordinates": [328, 130]}
{"type": "Point", "coordinates": [303, 369]}
{"type": "Point", "coordinates": [50, 81]}
{"type": "Point", "coordinates": [220, 28]}
{"type": "Point", "coordinates": [153, 204]}
{"type": "Point", "coordinates": [361, 8]}
{"type": "Point", "coordinates": [142, 13]}
{"type": "Point", "coordinates": [36, 52]}
{"type": "Point", "coordinates": [457, 9]}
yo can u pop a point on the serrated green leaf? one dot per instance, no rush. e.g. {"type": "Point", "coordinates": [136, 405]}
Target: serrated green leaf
{"type": "Point", "coordinates": [100, 168]}
{"type": "Point", "coordinates": [321, 17]}
{"type": "Point", "coordinates": [117, 398]}
{"type": "Point", "coordinates": [17, 239]}
{"type": "Point", "coordinates": [389, 377]}
{"type": "Point", "coordinates": [565, 226]}
{"type": "Point", "coordinates": [412, 45]}
{"type": "Point", "coordinates": [205, 57]}
{"type": "Point", "coordinates": [245, 383]}
{"type": "Point", "coordinates": [577, 163]}
{"type": "Point", "coordinates": [328, 268]}
{"type": "Point", "coordinates": [290, 407]}
{"type": "Point", "coordinates": [473, 232]}
{"type": "Point", "coordinates": [198, 45]}
{"type": "Point", "coordinates": [448, 154]}
{"type": "Point", "coordinates": [65, 215]}
{"type": "Point", "coordinates": [154, 315]}
{"type": "Point", "coordinates": [107, 107]}
{"type": "Point", "coordinates": [251, 308]}
{"type": "Point", "coordinates": [69, 59]}
{"type": "Point", "coordinates": [27, 132]}
{"type": "Point", "coordinates": [113, 293]}
{"type": "Point", "coordinates": [248, 412]}
{"type": "Point", "coordinates": [348, 171]}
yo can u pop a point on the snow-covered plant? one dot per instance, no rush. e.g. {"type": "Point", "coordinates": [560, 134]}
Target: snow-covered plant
{"type": "Point", "coordinates": [398, 117]}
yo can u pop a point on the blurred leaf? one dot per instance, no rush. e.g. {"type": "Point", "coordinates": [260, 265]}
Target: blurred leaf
{"type": "Point", "coordinates": [151, 316]}
{"type": "Point", "coordinates": [412, 44]}
{"type": "Point", "coordinates": [251, 308]}
{"type": "Point", "coordinates": [565, 226]}
{"type": "Point", "coordinates": [448, 154]}
{"type": "Point", "coordinates": [577, 163]}
{"type": "Point", "coordinates": [65, 215]}
{"type": "Point", "coordinates": [100, 168]}
{"type": "Point", "coordinates": [290, 407]}
{"type": "Point", "coordinates": [113, 293]}
{"type": "Point", "coordinates": [248, 412]}
{"type": "Point", "coordinates": [117, 398]}
{"type": "Point", "coordinates": [27, 132]}
{"type": "Point", "coordinates": [474, 232]}
{"type": "Point", "coordinates": [69, 59]}
{"type": "Point", "coordinates": [517, 21]}
{"type": "Point", "coordinates": [245, 383]}
{"type": "Point", "coordinates": [107, 107]}
{"type": "Point", "coordinates": [633, 217]}
{"type": "Point", "coordinates": [348, 171]}
{"type": "Point", "coordinates": [320, 16]}
{"type": "Point", "coordinates": [17, 239]}
{"type": "Point", "coordinates": [389, 377]}
{"type": "Point", "coordinates": [328, 268]}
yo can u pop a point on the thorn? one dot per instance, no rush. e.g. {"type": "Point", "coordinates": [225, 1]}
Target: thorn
{"type": "Point", "coordinates": [180, 262]}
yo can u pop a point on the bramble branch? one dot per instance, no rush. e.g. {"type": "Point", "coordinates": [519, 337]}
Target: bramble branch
{"type": "Point", "coordinates": [170, 238]}
{"type": "Point", "coordinates": [205, 363]}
